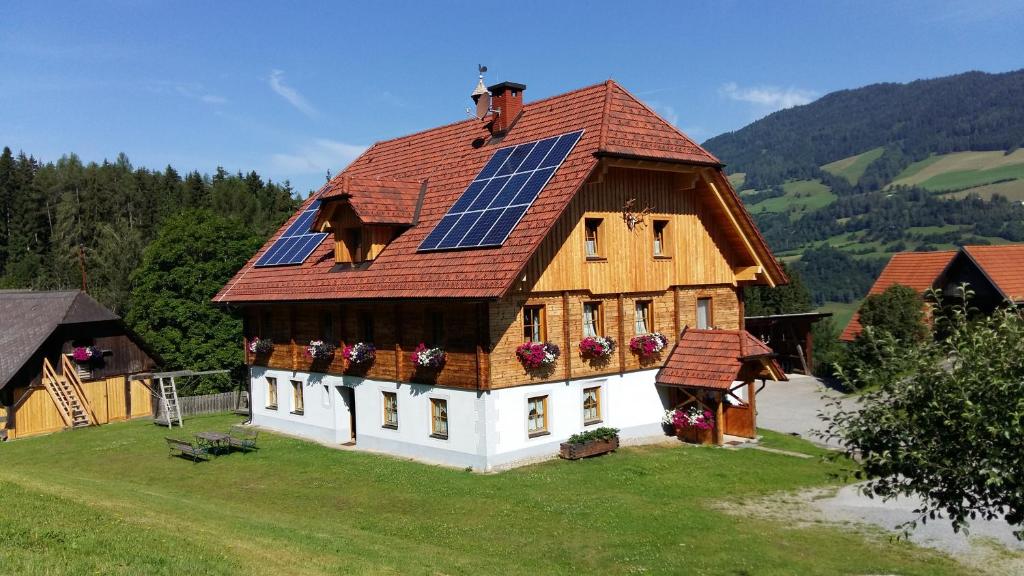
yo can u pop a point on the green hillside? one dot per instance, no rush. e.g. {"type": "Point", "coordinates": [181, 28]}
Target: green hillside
{"type": "Point", "coordinates": [853, 167]}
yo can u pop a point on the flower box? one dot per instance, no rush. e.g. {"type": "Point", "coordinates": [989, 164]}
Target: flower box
{"type": "Point", "coordinates": [86, 354]}
{"type": "Point", "coordinates": [573, 451]}
{"type": "Point", "coordinates": [318, 350]}
{"type": "Point", "coordinates": [537, 355]}
{"type": "Point", "coordinates": [696, 435]}
{"type": "Point", "coordinates": [597, 347]}
{"type": "Point", "coordinates": [648, 346]}
{"type": "Point", "coordinates": [359, 355]}
{"type": "Point", "coordinates": [261, 346]}
{"type": "Point", "coordinates": [424, 358]}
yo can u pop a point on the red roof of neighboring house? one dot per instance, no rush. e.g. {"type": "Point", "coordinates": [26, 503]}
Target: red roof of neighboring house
{"type": "Point", "coordinates": [714, 358]}
{"type": "Point", "coordinates": [377, 200]}
{"type": "Point", "coordinates": [1004, 267]}
{"type": "Point", "coordinates": [615, 123]}
{"type": "Point", "coordinates": [917, 270]}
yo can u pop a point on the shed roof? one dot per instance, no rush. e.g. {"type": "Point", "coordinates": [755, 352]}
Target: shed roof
{"type": "Point", "coordinates": [27, 318]}
{"type": "Point", "coordinates": [917, 270]}
{"type": "Point", "coordinates": [714, 358]}
{"type": "Point", "coordinates": [615, 123]}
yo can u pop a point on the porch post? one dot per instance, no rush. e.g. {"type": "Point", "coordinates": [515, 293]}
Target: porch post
{"type": "Point", "coordinates": [719, 422]}
{"type": "Point", "coordinates": [752, 402]}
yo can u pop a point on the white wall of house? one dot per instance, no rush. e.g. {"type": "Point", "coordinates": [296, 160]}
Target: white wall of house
{"type": "Point", "coordinates": [486, 430]}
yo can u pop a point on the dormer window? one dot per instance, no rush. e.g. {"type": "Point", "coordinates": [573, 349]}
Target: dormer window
{"type": "Point", "coordinates": [353, 239]}
{"type": "Point", "coordinates": [593, 237]}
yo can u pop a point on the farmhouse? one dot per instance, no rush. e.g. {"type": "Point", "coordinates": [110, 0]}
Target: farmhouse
{"type": "Point", "coordinates": [65, 362]}
{"type": "Point", "coordinates": [492, 286]}
{"type": "Point", "coordinates": [994, 273]}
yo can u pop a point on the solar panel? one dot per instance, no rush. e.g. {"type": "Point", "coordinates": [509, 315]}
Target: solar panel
{"type": "Point", "coordinates": [494, 202]}
{"type": "Point", "coordinates": [296, 243]}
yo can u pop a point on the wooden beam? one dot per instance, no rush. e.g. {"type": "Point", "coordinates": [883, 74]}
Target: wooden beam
{"type": "Point", "coordinates": [291, 337]}
{"type": "Point", "coordinates": [636, 164]}
{"type": "Point", "coordinates": [719, 421]}
{"type": "Point", "coordinates": [565, 336]}
{"type": "Point", "coordinates": [747, 273]}
{"type": "Point", "coordinates": [622, 335]}
{"type": "Point", "coordinates": [677, 314]}
{"type": "Point", "coordinates": [397, 315]}
{"type": "Point", "coordinates": [739, 229]}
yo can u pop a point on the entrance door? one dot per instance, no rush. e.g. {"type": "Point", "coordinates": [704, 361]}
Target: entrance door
{"type": "Point", "coordinates": [738, 412]}
{"type": "Point", "coordinates": [346, 415]}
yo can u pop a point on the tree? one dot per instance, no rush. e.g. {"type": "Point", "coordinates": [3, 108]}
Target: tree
{"type": "Point", "coordinates": [789, 298]}
{"type": "Point", "coordinates": [193, 255]}
{"type": "Point", "coordinates": [899, 311]}
{"type": "Point", "coordinates": [946, 423]}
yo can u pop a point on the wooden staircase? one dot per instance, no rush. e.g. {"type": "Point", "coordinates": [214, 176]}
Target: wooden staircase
{"type": "Point", "coordinates": [68, 394]}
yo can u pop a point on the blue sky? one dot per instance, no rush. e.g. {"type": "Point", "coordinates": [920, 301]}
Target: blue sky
{"type": "Point", "coordinates": [295, 89]}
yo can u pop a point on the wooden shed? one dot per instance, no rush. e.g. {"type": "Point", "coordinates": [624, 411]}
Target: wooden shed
{"type": "Point", "coordinates": [64, 363]}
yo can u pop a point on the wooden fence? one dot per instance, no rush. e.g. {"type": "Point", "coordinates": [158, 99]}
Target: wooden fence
{"type": "Point", "coordinates": [205, 404]}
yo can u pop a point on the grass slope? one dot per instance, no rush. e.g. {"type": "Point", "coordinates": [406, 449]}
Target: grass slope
{"type": "Point", "coordinates": [108, 500]}
{"type": "Point", "coordinates": [853, 167]}
{"type": "Point", "coordinates": [800, 196]}
{"type": "Point", "coordinates": [960, 170]}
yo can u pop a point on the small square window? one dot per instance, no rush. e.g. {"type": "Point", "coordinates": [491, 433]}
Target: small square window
{"type": "Point", "coordinates": [272, 393]}
{"type": "Point", "coordinates": [592, 405]}
{"type": "Point", "coordinates": [297, 404]}
{"type": "Point", "coordinates": [439, 418]}
{"type": "Point", "coordinates": [643, 320]}
{"type": "Point", "coordinates": [533, 324]}
{"type": "Point", "coordinates": [390, 410]}
{"type": "Point", "coordinates": [592, 245]}
{"type": "Point", "coordinates": [537, 416]}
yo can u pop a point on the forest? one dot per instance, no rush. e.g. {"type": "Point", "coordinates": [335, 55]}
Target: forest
{"type": "Point", "coordinates": [153, 246]}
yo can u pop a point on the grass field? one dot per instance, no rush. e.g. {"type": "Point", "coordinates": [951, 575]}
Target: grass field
{"type": "Point", "coordinates": [960, 170]}
{"type": "Point", "coordinates": [109, 501]}
{"type": "Point", "coordinates": [841, 312]}
{"type": "Point", "coordinates": [853, 167]}
{"type": "Point", "coordinates": [737, 180]}
{"type": "Point", "coordinates": [1012, 190]}
{"type": "Point", "coordinates": [800, 196]}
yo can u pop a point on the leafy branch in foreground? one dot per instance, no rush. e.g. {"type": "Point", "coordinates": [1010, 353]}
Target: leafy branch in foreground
{"type": "Point", "coordinates": [946, 421]}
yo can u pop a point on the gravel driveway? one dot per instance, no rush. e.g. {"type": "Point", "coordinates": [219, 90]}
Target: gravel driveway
{"type": "Point", "coordinates": [793, 407]}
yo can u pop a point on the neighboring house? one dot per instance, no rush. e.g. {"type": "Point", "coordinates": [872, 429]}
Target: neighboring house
{"type": "Point", "coordinates": [42, 387]}
{"type": "Point", "coordinates": [994, 273]}
{"type": "Point", "coordinates": [583, 214]}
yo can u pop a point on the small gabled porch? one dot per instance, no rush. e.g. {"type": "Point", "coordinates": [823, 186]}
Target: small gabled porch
{"type": "Point", "coordinates": [715, 370]}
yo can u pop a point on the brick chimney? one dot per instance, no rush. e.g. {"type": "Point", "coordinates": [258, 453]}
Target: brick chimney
{"type": "Point", "coordinates": [507, 103]}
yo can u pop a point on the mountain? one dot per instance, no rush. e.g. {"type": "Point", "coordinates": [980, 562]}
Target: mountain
{"type": "Point", "coordinates": [838, 185]}
{"type": "Point", "coordinates": [973, 111]}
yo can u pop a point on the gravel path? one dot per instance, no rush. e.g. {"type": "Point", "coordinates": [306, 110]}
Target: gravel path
{"type": "Point", "coordinates": [793, 407]}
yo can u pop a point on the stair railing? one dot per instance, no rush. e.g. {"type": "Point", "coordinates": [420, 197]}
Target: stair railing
{"type": "Point", "coordinates": [71, 374]}
{"type": "Point", "coordinates": [50, 383]}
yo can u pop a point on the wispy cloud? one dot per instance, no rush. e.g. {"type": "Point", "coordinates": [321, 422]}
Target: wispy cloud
{"type": "Point", "coordinates": [297, 100]}
{"type": "Point", "coordinates": [196, 91]}
{"type": "Point", "coordinates": [317, 157]}
{"type": "Point", "coordinates": [769, 97]}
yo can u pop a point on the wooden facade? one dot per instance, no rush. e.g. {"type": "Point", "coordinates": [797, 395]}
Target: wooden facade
{"type": "Point", "coordinates": [698, 261]}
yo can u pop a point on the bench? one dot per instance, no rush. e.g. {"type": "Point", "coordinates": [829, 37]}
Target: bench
{"type": "Point", "coordinates": [185, 449]}
{"type": "Point", "coordinates": [242, 438]}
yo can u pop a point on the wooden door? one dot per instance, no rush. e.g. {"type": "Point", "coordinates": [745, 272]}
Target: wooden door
{"type": "Point", "coordinates": [738, 417]}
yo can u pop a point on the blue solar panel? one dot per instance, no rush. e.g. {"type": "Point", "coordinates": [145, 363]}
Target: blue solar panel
{"type": "Point", "coordinates": [296, 243]}
{"type": "Point", "coordinates": [492, 205]}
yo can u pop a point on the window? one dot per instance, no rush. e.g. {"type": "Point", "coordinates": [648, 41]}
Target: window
{"type": "Point", "coordinates": [297, 407]}
{"type": "Point", "coordinates": [436, 328]}
{"type": "Point", "coordinates": [592, 405]}
{"type": "Point", "coordinates": [643, 321]}
{"type": "Point", "coordinates": [537, 416]}
{"type": "Point", "coordinates": [704, 317]}
{"type": "Point", "coordinates": [272, 393]}
{"type": "Point", "coordinates": [592, 246]}
{"type": "Point", "coordinates": [439, 418]}
{"type": "Point", "coordinates": [366, 323]}
{"type": "Point", "coordinates": [592, 321]}
{"type": "Point", "coordinates": [390, 410]}
{"type": "Point", "coordinates": [660, 249]}
{"type": "Point", "coordinates": [533, 324]}
{"type": "Point", "coordinates": [353, 242]}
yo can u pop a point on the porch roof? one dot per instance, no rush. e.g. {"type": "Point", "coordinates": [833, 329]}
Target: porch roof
{"type": "Point", "coordinates": [715, 359]}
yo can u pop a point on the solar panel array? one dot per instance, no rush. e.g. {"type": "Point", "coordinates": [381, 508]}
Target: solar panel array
{"type": "Point", "coordinates": [500, 195]}
{"type": "Point", "coordinates": [297, 242]}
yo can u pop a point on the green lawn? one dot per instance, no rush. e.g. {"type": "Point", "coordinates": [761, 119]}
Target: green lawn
{"type": "Point", "coordinates": [841, 312]}
{"type": "Point", "coordinates": [853, 167]}
{"type": "Point", "coordinates": [109, 501]}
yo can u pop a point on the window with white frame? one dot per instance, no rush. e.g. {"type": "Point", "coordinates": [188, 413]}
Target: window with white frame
{"type": "Point", "coordinates": [390, 410]}
{"type": "Point", "coordinates": [592, 405]}
{"type": "Point", "coordinates": [439, 418]}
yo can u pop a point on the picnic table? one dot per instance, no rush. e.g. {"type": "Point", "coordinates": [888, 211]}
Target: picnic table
{"type": "Point", "coordinates": [215, 442]}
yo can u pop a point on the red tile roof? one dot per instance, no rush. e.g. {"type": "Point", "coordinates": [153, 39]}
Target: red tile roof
{"type": "Point", "coordinates": [377, 200]}
{"type": "Point", "coordinates": [713, 358]}
{"type": "Point", "coordinates": [1004, 267]}
{"type": "Point", "coordinates": [614, 121]}
{"type": "Point", "coordinates": [917, 270]}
